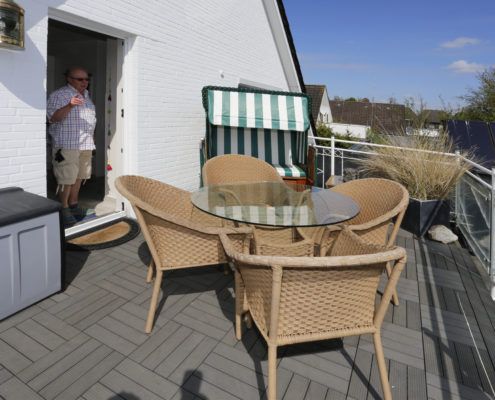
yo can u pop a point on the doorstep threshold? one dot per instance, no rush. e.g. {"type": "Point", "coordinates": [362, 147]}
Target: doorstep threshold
{"type": "Point", "coordinates": [73, 230]}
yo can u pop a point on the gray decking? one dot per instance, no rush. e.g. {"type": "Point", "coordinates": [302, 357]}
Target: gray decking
{"type": "Point", "coordinates": [88, 342]}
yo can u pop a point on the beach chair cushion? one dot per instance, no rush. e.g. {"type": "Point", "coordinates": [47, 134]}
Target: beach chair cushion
{"type": "Point", "coordinates": [276, 147]}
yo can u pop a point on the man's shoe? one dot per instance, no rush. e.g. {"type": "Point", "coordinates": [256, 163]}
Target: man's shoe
{"type": "Point", "coordinates": [67, 217]}
{"type": "Point", "coordinates": [80, 213]}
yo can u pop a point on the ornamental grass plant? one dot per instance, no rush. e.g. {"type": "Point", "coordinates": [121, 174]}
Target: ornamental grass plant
{"type": "Point", "coordinates": [425, 165]}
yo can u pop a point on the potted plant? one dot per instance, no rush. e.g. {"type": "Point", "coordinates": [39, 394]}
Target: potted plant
{"type": "Point", "coordinates": [428, 169]}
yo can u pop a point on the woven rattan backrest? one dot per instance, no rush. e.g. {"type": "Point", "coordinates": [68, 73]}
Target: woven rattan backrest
{"type": "Point", "coordinates": [379, 201]}
{"type": "Point", "coordinates": [318, 294]}
{"type": "Point", "coordinates": [167, 218]}
{"type": "Point", "coordinates": [161, 196]}
{"type": "Point", "coordinates": [233, 168]}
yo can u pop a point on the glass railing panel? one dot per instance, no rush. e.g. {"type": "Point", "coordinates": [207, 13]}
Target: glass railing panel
{"type": "Point", "coordinates": [473, 215]}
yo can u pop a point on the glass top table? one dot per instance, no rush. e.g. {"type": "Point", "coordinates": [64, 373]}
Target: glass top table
{"type": "Point", "coordinates": [275, 204]}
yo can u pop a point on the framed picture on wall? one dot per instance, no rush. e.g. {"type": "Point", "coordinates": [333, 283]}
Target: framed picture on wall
{"type": "Point", "coordinates": [11, 25]}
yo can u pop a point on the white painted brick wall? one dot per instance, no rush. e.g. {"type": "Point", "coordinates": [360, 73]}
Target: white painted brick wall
{"type": "Point", "coordinates": [180, 46]}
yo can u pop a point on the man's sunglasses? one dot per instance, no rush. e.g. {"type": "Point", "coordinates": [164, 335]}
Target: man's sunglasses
{"type": "Point", "coordinates": [80, 79]}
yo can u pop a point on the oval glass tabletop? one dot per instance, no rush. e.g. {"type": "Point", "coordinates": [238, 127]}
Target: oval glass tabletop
{"type": "Point", "coordinates": [275, 204]}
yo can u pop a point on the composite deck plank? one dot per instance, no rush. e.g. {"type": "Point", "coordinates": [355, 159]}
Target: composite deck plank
{"type": "Point", "coordinates": [14, 389]}
{"type": "Point", "coordinates": [111, 339]}
{"type": "Point", "coordinates": [228, 383]}
{"type": "Point", "coordinates": [149, 379]}
{"type": "Point", "coordinates": [193, 360]}
{"type": "Point", "coordinates": [100, 392]}
{"type": "Point", "coordinates": [5, 375]}
{"type": "Point", "coordinates": [52, 358]}
{"type": "Point", "coordinates": [432, 355]}
{"type": "Point", "coordinates": [89, 341]}
{"type": "Point", "coordinates": [316, 392]}
{"type": "Point", "coordinates": [467, 364]}
{"type": "Point", "coordinates": [375, 390]}
{"type": "Point", "coordinates": [416, 384]}
{"type": "Point", "coordinates": [486, 371]}
{"type": "Point", "coordinates": [298, 388]}
{"type": "Point", "coordinates": [244, 374]}
{"type": "Point", "coordinates": [398, 380]}
{"type": "Point", "coordinates": [127, 388]}
{"type": "Point", "coordinates": [413, 315]}
{"type": "Point", "coordinates": [358, 384]}
{"type": "Point", "coordinates": [63, 364]}
{"type": "Point", "coordinates": [56, 325]}
{"type": "Point", "coordinates": [68, 378]}
{"type": "Point", "coordinates": [85, 381]}
{"type": "Point", "coordinates": [179, 354]}
{"type": "Point", "coordinates": [450, 362]}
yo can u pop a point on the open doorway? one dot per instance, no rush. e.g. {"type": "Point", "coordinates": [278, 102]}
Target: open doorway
{"type": "Point", "coordinates": [102, 57]}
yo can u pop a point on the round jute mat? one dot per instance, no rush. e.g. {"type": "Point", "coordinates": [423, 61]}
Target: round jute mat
{"type": "Point", "coordinates": [108, 235]}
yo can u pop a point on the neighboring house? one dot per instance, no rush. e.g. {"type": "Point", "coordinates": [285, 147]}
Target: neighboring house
{"type": "Point", "coordinates": [148, 64]}
{"type": "Point", "coordinates": [320, 105]}
{"type": "Point", "coordinates": [434, 119]}
{"type": "Point", "coordinates": [380, 117]}
{"type": "Point", "coordinates": [430, 120]}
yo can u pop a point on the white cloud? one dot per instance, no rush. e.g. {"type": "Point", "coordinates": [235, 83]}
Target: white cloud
{"type": "Point", "coordinates": [459, 42]}
{"type": "Point", "coordinates": [464, 67]}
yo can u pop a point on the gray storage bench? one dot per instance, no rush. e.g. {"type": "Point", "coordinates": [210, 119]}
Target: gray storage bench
{"type": "Point", "coordinates": [31, 247]}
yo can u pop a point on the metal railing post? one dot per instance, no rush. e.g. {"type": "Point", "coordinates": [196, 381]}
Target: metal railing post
{"type": "Point", "coordinates": [323, 163]}
{"type": "Point", "coordinates": [492, 237]}
{"type": "Point", "coordinates": [332, 158]}
{"type": "Point", "coordinates": [457, 189]}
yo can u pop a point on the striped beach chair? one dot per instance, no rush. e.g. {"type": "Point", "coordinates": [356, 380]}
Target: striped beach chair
{"type": "Point", "coordinates": [272, 126]}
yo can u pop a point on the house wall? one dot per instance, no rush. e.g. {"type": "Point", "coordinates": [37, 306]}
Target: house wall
{"type": "Point", "coordinates": [174, 48]}
{"type": "Point", "coordinates": [357, 131]}
{"type": "Point", "coordinates": [325, 111]}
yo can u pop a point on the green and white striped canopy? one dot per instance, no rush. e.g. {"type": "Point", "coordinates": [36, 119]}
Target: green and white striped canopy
{"type": "Point", "coordinates": [258, 110]}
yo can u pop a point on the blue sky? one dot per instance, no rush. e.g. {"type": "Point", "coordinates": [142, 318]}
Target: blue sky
{"type": "Point", "coordinates": [381, 49]}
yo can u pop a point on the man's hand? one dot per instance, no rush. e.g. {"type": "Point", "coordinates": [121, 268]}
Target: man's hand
{"type": "Point", "coordinates": [77, 100]}
{"type": "Point", "coordinates": [62, 112]}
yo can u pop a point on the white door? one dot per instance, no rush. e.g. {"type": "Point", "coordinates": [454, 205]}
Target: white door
{"type": "Point", "coordinates": [114, 122]}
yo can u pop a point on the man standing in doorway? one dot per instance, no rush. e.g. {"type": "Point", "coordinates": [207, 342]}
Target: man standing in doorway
{"type": "Point", "coordinates": [72, 118]}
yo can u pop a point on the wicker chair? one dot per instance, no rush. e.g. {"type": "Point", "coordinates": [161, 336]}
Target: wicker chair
{"type": "Point", "coordinates": [301, 299]}
{"type": "Point", "coordinates": [234, 168]}
{"type": "Point", "coordinates": [178, 235]}
{"type": "Point", "coordinates": [231, 168]}
{"type": "Point", "coordinates": [380, 201]}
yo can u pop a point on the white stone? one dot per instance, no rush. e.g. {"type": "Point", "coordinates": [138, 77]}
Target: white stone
{"type": "Point", "coordinates": [442, 234]}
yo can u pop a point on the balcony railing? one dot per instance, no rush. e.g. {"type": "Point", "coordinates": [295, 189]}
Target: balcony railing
{"type": "Point", "coordinates": [473, 197]}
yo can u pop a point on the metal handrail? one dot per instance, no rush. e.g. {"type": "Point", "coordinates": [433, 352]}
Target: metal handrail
{"type": "Point", "coordinates": [330, 151]}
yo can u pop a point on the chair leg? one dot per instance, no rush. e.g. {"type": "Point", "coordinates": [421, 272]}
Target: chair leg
{"type": "Point", "coordinates": [239, 299]}
{"type": "Point", "coordinates": [272, 372]}
{"type": "Point", "coordinates": [380, 358]}
{"type": "Point", "coordinates": [395, 296]}
{"type": "Point", "coordinates": [248, 320]}
{"type": "Point", "coordinates": [149, 275]}
{"type": "Point", "coordinates": [154, 301]}
{"type": "Point", "coordinates": [226, 269]}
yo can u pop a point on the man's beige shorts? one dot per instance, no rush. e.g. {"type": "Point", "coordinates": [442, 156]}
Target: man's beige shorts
{"type": "Point", "coordinates": [76, 165]}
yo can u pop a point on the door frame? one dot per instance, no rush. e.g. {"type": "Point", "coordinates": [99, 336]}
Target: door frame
{"type": "Point", "coordinates": [126, 101]}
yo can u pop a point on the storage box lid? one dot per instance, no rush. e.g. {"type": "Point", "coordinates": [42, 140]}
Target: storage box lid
{"type": "Point", "coordinates": [16, 205]}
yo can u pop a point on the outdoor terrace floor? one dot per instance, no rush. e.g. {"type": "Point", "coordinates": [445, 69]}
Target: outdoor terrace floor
{"type": "Point", "coordinates": [89, 342]}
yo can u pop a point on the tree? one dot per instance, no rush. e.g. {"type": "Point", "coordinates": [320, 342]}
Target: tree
{"type": "Point", "coordinates": [416, 112]}
{"type": "Point", "coordinates": [481, 101]}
